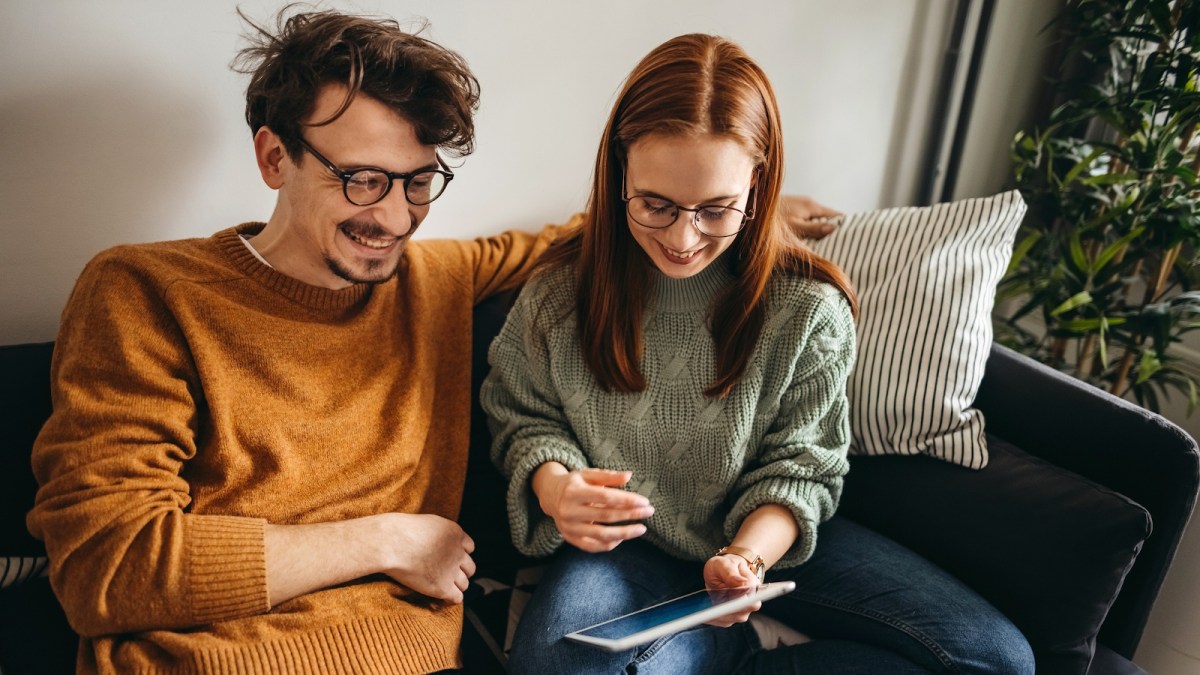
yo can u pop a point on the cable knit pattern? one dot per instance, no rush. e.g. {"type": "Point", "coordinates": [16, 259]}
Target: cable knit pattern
{"type": "Point", "coordinates": [779, 437]}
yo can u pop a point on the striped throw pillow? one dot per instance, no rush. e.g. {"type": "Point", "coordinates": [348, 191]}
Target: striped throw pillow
{"type": "Point", "coordinates": [16, 569]}
{"type": "Point", "coordinates": [926, 280]}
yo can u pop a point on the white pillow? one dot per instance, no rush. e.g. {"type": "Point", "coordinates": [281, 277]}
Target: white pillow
{"type": "Point", "coordinates": [16, 569]}
{"type": "Point", "coordinates": [926, 280]}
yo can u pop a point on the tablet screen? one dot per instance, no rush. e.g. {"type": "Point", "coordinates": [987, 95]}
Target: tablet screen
{"type": "Point", "coordinates": [674, 615]}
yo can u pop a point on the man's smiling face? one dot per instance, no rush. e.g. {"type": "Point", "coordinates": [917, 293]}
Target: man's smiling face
{"type": "Point", "coordinates": [316, 235]}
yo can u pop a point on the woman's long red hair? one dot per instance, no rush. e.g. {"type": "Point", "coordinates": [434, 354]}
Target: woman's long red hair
{"type": "Point", "coordinates": [690, 85]}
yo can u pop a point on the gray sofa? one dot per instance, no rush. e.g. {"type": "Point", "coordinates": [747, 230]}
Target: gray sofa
{"type": "Point", "coordinates": [1069, 530]}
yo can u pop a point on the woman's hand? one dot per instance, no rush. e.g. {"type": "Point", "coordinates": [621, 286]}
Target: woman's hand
{"type": "Point", "coordinates": [587, 506]}
{"type": "Point", "coordinates": [805, 217]}
{"type": "Point", "coordinates": [730, 571]}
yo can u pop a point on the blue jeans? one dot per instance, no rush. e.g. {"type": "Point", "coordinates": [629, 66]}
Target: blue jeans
{"type": "Point", "coordinates": [871, 605]}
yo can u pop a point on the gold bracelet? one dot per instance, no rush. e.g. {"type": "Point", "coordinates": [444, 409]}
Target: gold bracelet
{"type": "Point", "coordinates": [755, 560]}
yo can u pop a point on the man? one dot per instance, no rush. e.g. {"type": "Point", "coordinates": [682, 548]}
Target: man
{"type": "Point", "coordinates": [258, 442]}
{"type": "Point", "coordinates": [259, 439]}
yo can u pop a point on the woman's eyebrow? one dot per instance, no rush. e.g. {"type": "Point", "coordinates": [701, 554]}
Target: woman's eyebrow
{"type": "Point", "coordinates": [652, 193]}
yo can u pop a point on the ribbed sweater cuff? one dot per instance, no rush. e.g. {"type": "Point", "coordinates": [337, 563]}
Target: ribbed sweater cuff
{"type": "Point", "coordinates": [534, 533]}
{"type": "Point", "coordinates": [803, 498]}
{"type": "Point", "coordinates": [392, 645]}
{"type": "Point", "coordinates": [227, 567]}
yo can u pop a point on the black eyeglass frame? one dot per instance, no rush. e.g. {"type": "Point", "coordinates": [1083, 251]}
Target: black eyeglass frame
{"type": "Point", "coordinates": [392, 177]}
{"type": "Point", "coordinates": [747, 216]}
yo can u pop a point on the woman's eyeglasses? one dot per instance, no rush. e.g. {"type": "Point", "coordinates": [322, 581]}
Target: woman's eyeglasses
{"type": "Point", "coordinates": [710, 220]}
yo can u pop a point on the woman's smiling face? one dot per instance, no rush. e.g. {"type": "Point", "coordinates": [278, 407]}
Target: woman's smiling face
{"type": "Point", "coordinates": [690, 171]}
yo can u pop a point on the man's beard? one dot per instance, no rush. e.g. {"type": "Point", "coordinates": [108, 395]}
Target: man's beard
{"type": "Point", "coordinates": [377, 270]}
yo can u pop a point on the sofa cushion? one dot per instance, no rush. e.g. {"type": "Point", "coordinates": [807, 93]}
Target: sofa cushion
{"type": "Point", "coordinates": [1047, 547]}
{"type": "Point", "coordinates": [36, 637]}
{"type": "Point", "coordinates": [1108, 662]}
{"type": "Point", "coordinates": [926, 279]}
{"type": "Point", "coordinates": [25, 400]}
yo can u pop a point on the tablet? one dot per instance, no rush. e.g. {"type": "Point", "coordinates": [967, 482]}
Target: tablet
{"type": "Point", "coordinates": [675, 615]}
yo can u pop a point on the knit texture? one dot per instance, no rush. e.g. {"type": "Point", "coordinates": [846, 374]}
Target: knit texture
{"type": "Point", "coordinates": [198, 395]}
{"type": "Point", "coordinates": [780, 437]}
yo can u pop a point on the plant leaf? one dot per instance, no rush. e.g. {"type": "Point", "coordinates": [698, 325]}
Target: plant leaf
{"type": "Point", "coordinates": [1077, 254]}
{"type": "Point", "coordinates": [1080, 298]}
{"type": "Point", "coordinates": [1022, 249]}
{"type": "Point", "coordinates": [1112, 178]}
{"type": "Point", "coordinates": [1082, 166]}
{"type": "Point", "coordinates": [1111, 251]}
{"type": "Point", "coordinates": [1148, 365]}
{"type": "Point", "coordinates": [1103, 343]}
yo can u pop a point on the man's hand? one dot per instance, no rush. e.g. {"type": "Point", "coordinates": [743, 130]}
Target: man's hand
{"type": "Point", "coordinates": [427, 553]}
{"type": "Point", "coordinates": [431, 555]}
{"type": "Point", "coordinates": [730, 571]}
{"type": "Point", "coordinates": [806, 218]}
{"type": "Point", "coordinates": [587, 505]}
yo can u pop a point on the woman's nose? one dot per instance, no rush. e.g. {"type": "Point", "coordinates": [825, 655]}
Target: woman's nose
{"type": "Point", "coordinates": [682, 234]}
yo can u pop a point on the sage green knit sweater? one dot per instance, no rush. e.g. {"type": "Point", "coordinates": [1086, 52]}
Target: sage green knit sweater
{"type": "Point", "coordinates": [779, 437]}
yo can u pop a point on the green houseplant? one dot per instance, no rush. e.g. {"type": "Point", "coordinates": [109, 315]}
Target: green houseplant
{"type": "Point", "coordinates": [1106, 257]}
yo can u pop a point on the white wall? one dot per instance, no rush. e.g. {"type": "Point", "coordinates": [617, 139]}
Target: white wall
{"type": "Point", "coordinates": [121, 121]}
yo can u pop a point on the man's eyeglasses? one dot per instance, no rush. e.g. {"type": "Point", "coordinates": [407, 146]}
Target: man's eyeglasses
{"type": "Point", "coordinates": [710, 220]}
{"type": "Point", "coordinates": [369, 185]}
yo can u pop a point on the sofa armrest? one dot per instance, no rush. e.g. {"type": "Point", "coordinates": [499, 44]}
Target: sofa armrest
{"type": "Point", "coordinates": [1109, 441]}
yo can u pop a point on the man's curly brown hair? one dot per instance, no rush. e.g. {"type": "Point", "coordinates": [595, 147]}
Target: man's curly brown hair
{"type": "Point", "coordinates": [427, 84]}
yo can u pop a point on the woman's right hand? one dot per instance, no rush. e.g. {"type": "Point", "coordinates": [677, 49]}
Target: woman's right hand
{"type": "Point", "coordinates": [590, 510]}
{"type": "Point", "coordinates": [730, 571]}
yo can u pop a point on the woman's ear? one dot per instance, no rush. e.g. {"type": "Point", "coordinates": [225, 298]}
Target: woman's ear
{"type": "Point", "coordinates": [271, 156]}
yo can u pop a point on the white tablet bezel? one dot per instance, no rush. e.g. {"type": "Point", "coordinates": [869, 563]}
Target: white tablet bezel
{"type": "Point", "coordinates": [762, 593]}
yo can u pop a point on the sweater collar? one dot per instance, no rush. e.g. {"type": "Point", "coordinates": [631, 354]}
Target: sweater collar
{"type": "Point", "coordinates": [315, 297]}
{"type": "Point", "coordinates": [691, 293]}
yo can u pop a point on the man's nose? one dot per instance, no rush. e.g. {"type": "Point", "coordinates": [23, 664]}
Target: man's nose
{"type": "Point", "coordinates": [395, 214]}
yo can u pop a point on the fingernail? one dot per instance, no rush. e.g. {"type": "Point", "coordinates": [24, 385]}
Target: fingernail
{"type": "Point", "coordinates": [827, 228]}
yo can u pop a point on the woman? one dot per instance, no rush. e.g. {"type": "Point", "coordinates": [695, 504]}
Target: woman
{"type": "Point", "coordinates": [668, 398]}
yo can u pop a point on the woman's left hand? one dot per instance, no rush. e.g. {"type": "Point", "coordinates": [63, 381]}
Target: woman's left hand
{"type": "Point", "coordinates": [730, 571]}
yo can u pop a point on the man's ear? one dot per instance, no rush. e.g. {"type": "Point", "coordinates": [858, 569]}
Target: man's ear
{"type": "Point", "coordinates": [271, 155]}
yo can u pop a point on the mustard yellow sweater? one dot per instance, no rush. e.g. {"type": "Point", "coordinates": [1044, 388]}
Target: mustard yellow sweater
{"type": "Point", "coordinates": [198, 395]}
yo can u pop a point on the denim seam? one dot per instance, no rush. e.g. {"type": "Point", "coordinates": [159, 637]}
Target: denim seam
{"type": "Point", "coordinates": [653, 648]}
{"type": "Point", "coordinates": [912, 632]}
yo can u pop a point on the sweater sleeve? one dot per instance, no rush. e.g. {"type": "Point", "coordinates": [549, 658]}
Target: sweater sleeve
{"type": "Point", "coordinates": [525, 414]}
{"type": "Point", "coordinates": [802, 459]}
{"type": "Point", "coordinates": [125, 554]}
{"type": "Point", "coordinates": [504, 261]}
